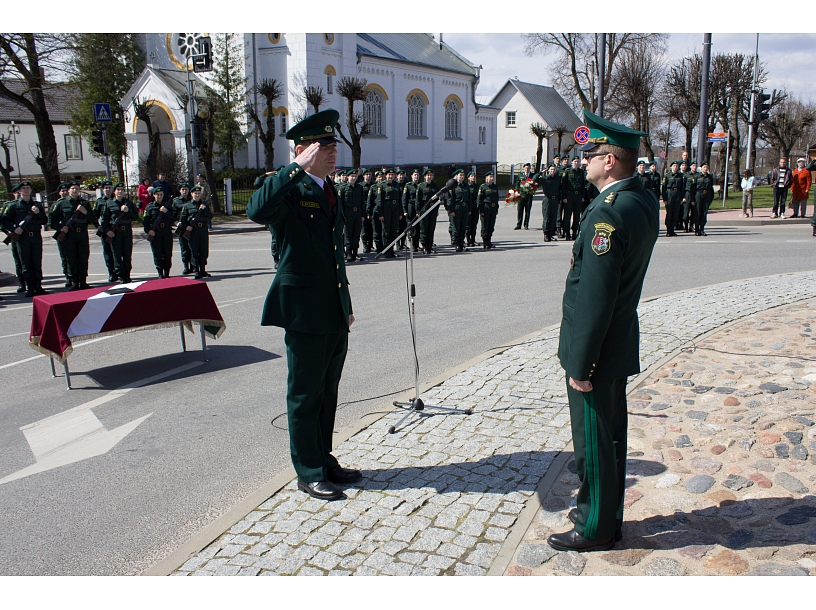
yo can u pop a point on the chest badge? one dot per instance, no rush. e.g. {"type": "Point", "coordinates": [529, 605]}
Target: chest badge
{"type": "Point", "coordinates": [602, 241]}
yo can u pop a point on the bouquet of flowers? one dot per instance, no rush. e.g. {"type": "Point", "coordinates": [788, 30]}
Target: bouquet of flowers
{"type": "Point", "coordinates": [513, 196]}
{"type": "Point", "coordinates": [527, 187]}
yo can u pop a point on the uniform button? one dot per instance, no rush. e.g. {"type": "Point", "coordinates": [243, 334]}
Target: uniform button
{"type": "Point", "coordinates": [335, 247]}
{"type": "Point", "coordinates": [339, 285]}
{"type": "Point", "coordinates": [338, 266]}
{"type": "Point", "coordinates": [311, 215]}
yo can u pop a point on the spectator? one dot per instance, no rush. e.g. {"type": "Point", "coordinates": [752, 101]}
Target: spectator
{"type": "Point", "coordinates": [167, 188]}
{"type": "Point", "coordinates": [801, 188]}
{"type": "Point", "coordinates": [205, 189]}
{"type": "Point", "coordinates": [144, 194]}
{"type": "Point", "coordinates": [747, 193]}
{"type": "Point", "coordinates": [781, 179]}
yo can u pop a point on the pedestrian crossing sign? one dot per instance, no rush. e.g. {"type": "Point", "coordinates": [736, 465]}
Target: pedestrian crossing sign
{"type": "Point", "coordinates": [102, 113]}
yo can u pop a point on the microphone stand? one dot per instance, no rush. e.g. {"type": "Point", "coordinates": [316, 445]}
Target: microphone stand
{"type": "Point", "coordinates": [415, 406]}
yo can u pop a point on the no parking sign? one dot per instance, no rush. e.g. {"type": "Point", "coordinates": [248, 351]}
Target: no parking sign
{"type": "Point", "coordinates": [582, 134]}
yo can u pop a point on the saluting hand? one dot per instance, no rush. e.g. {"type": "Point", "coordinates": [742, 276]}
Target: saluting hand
{"type": "Point", "coordinates": [307, 157]}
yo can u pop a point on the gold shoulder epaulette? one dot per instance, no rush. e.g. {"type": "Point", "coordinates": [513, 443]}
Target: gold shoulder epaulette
{"type": "Point", "coordinates": [610, 197]}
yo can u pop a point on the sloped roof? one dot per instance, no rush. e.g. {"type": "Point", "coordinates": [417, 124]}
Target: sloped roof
{"type": "Point", "coordinates": [175, 80]}
{"type": "Point", "coordinates": [419, 49]}
{"type": "Point", "coordinates": [58, 97]}
{"type": "Point", "coordinates": [547, 102]}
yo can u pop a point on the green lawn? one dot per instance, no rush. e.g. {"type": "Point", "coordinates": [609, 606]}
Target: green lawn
{"type": "Point", "coordinates": [763, 198]}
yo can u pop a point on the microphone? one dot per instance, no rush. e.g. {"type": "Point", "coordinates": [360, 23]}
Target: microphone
{"type": "Point", "coordinates": [448, 186]}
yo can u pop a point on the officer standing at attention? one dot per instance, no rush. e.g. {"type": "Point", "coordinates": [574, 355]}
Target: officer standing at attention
{"type": "Point", "coordinates": [388, 209]}
{"type": "Point", "coordinates": [368, 228]}
{"type": "Point", "coordinates": [525, 203]}
{"type": "Point", "coordinates": [561, 170]}
{"type": "Point", "coordinates": [71, 216]}
{"type": "Point", "coordinates": [458, 205]}
{"type": "Point", "coordinates": [178, 205]}
{"type": "Point", "coordinates": [195, 220]}
{"type": "Point", "coordinates": [704, 197]}
{"type": "Point", "coordinates": [643, 176]}
{"type": "Point", "coordinates": [25, 218]}
{"type": "Point", "coordinates": [656, 180]}
{"type": "Point", "coordinates": [116, 222]}
{"type": "Point", "coordinates": [673, 190]}
{"type": "Point", "coordinates": [400, 182]}
{"type": "Point", "coordinates": [690, 198]}
{"type": "Point", "coordinates": [351, 199]}
{"type": "Point", "coordinates": [158, 224]}
{"type": "Point", "coordinates": [487, 202]}
{"type": "Point", "coordinates": [62, 190]}
{"type": "Point", "coordinates": [309, 298]}
{"type": "Point", "coordinates": [15, 253]}
{"type": "Point", "coordinates": [473, 208]}
{"type": "Point", "coordinates": [107, 250]}
{"type": "Point", "coordinates": [551, 187]}
{"type": "Point", "coordinates": [409, 204]}
{"type": "Point", "coordinates": [427, 225]}
{"type": "Point", "coordinates": [573, 186]}
{"type": "Point", "coordinates": [598, 345]}
{"type": "Point", "coordinates": [371, 202]}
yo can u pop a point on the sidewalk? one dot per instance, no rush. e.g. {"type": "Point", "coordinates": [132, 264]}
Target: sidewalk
{"type": "Point", "coordinates": [458, 494]}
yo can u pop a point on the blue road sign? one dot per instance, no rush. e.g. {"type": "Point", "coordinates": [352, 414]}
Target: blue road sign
{"type": "Point", "coordinates": [102, 113]}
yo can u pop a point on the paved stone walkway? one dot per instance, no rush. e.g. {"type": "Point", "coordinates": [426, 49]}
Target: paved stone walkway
{"type": "Point", "coordinates": [442, 496]}
{"type": "Point", "coordinates": [722, 462]}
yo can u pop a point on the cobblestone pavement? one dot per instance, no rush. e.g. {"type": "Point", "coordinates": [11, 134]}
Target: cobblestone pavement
{"type": "Point", "coordinates": [443, 495]}
{"type": "Point", "coordinates": [722, 462]}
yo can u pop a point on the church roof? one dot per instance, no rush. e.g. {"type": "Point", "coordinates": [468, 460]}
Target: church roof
{"type": "Point", "coordinates": [419, 49]}
{"type": "Point", "coordinates": [547, 102]}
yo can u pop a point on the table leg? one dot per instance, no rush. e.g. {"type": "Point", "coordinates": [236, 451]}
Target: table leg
{"type": "Point", "coordinates": [53, 370]}
{"type": "Point", "coordinates": [67, 374]}
{"type": "Point", "coordinates": [183, 340]}
{"type": "Point", "coordinates": [203, 341]}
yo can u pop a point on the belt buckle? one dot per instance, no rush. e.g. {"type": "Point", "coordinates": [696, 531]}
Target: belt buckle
{"type": "Point", "coordinates": [199, 224]}
{"type": "Point", "coordinates": [161, 225]}
{"type": "Point", "coordinates": [78, 230]}
{"type": "Point", "coordinates": [31, 233]}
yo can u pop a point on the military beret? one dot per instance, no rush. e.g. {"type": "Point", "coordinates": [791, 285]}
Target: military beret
{"type": "Point", "coordinates": [704, 163]}
{"type": "Point", "coordinates": [458, 171]}
{"type": "Point", "coordinates": [316, 128]}
{"type": "Point", "coordinates": [400, 171]}
{"type": "Point", "coordinates": [118, 184]}
{"type": "Point", "coordinates": [576, 157]}
{"type": "Point", "coordinates": [157, 189]}
{"type": "Point", "coordinates": [106, 183]}
{"type": "Point", "coordinates": [62, 186]}
{"type": "Point", "coordinates": [184, 185]}
{"type": "Point", "coordinates": [557, 157]}
{"type": "Point", "coordinates": [469, 174]}
{"type": "Point", "coordinates": [641, 162]}
{"type": "Point", "coordinates": [415, 171]}
{"type": "Point", "coordinates": [73, 183]}
{"type": "Point", "coordinates": [21, 185]}
{"type": "Point", "coordinates": [602, 131]}
{"type": "Point", "coordinates": [197, 187]}
{"type": "Point", "coordinates": [675, 162]}
{"type": "Point", "coordinates": [379, 173]}
{"type": "Point", "coordinates": [428, 170]}
{"type": "Point", "coordinates": [694, 162]}
{"type": "Point", "coordinates": [488, 174]}
{"type": "Point", "coordinates": [389, 170]}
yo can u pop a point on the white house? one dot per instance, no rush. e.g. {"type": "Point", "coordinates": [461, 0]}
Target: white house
{"type": "Point", "coordinates": [420, 95]}
{"type": "Point", "coordinates": [522, 104]}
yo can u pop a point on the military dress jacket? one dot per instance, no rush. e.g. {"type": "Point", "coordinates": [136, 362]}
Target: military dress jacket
{"type": "Point", "coordinates": [112, 214]}
{"type": "Point", "coordinates": [600, 334]}
{"type": "Point", "coordinates": [63, 211]}
{"type": "Point", "coordinates": [674, 186]}
{"type": "Point", "coordinates": [425, 192]}
{"type": "Point", "coordinates": [310, 291]}
{"type": "Point", "coordinates": [351, 198]}
{"type": "Point", "coordinates": [573, 182]}
{"type": "Point", "coordinates": [15, 212]}
{"type": "Point", "coordinates": [705, 188]}
{"type": "Point", "coordinates": [388, 198]}
{"type": "Point", "coordinates": [551, 186]}
{"type": "Point", "coordinates": [409, 200]}
{"type": "Point", "coordinates": [487, 199]}
{"type": "Point", "coordinates": [692, 178]}
{"type": "Point", "coordinates": [457, 197]}
{"type": "Point", "coordinates": [151, 215]}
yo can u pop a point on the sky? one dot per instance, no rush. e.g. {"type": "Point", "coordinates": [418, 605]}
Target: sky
{"type": "Point", "coordinates": [789, 59]}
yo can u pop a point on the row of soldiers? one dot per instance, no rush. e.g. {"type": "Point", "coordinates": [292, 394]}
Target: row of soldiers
{"type": "Point", "coordinates": [686, 193]}
{"type": "Point", "coordinates": [113, 213]}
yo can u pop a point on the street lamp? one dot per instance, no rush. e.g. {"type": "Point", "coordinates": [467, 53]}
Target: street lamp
{"type": "Point", "coordinates": [13, 131]}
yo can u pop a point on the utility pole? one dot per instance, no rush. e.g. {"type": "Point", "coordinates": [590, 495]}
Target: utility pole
{"type": "Point", "coordinates": [749, 157]}
{"type": "Point", "coordinates": [702, 125]}
{"type": "Point", "coordinates": [601, 75]}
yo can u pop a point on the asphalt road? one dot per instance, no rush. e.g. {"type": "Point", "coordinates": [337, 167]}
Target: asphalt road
{"type": "Point", "coordinates": [207, 441]}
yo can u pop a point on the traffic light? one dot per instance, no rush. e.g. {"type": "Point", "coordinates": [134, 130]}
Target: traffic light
{"type": "Point", "coordinates": [197, 133]}
{"type": "Point", "coordinates": [764, 106]}
{"type": "Point", "coordinates": [202, 61]}
{"type": "Point", "coordinates": [99, 143]}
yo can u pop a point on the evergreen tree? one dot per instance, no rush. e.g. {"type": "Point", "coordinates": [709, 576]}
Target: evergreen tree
{"type": "Point", "coordinates": [229, 84]}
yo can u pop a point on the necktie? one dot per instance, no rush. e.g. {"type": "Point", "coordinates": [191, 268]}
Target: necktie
{"type": "Point", "coordinates": [330, 195]}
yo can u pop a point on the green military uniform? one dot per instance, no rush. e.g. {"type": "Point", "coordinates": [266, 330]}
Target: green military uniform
{"type": "Point", "coordinates": [689, 214]}
{"type": "Point", "coordinates": [376, 223]}
{"type": "Point", "coordinates": [388, 208]}
{"type": "Point", "coordinates": [18, 218]}
{"type": "Point", "coordinates": [473, 208]}
{"type": "Point", "coordinates": [525, 204]}
{"type": "Point", "coordinates": [75, 245]}
{"type": "Point", "coordinates": [15, 253]}
{"type": "Point", "coordinates": [562, 173]}
{"type": "Point", "coordinates": [487, 204]}
{"type": "Point", "coordinates": [195, 225]}
{"type": "Point", "coordinates": [656, 183]}
{"type": "Point", "coordinates": [107, 249]}
{"type": "Point", "coordinates": [367, 235]}
{"type": "Point", "coordinates": [704, 195]}
{"type": "Point", "coordinates": [552, 189]}
{"type": "Point", "coordinates": [457, 204]}
{"type": "Point", "coordinates": [184, 245]}
{"type": "Point", "coordinates": [63, 261]}
{"type": "Point", "coordinates": [573, 191]}
{"type": "Point", "coordinates": [427, 225]}
{"type": "Point", "coordinates": [351, 200]}
{"type": "Point", "coordinates": [599, 340]}
{"type": "Point", "coordinates": [409, 206]}
{"type": "Point", "coordinates": [273, 246]}
{"type": "Point", "coordinates": [309, 298]}
{"type": "Point", "coordinates": [161, 223]}
{"type": "Point", "coordinates": [673, 191]}
{"type": "Point", "coordinates": [120, 222]}
{"type": "Point", "coordinates": [403, 223]}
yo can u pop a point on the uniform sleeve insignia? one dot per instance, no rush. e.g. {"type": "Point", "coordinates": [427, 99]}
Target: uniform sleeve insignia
{"type": "Point", "coordinates": [602, 241]}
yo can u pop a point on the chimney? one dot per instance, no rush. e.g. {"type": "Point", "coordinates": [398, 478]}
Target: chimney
{"type": "Point", "coordinates": [440, 42]}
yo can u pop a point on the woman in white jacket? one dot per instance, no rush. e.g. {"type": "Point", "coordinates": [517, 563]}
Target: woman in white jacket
{"type": "Point", "coordinates": [747, 193]}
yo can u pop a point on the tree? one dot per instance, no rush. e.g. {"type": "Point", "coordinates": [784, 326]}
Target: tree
{"type": "Point", "coordinates": [559, 130]}
{"type": "Point", "coordinates": [207, 111]}
{"type": "Point", "coordinates": [314, 97]}
{"type": "Point", "coordinates": [353, 90]}
{"type": "Point", "coordinates": [230, 84]}
{"type": "Point", "coordinates": [683, 94]}
{"type": "Point", "coordinates": [578, 57]}
{"type": "Point", "coordinates": [271, 90]}
{"type": "Point", "coordinates": [6, 167]}
{"type": "Point", "coordinates": [539, 130]}
{"type": "Point", "coordinates": [786, 124]}
{"type": "Point", "coordinates": [24, 58]}
{"type": "Point", "coordinates": [141, 110]}
{"type": "Point", "coordinates": [103, 68]}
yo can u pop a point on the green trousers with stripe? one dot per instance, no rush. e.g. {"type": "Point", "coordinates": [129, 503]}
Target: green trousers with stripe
{"type": "Point", "coordinates": [599, 421]}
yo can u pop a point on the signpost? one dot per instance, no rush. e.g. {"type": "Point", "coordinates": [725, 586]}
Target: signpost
{"type": "Point", "coordinates": [102, 115]}
{"type": "Point", "coordinates": [582, 134]}
{"type": "Point", "coordinates": [717, 136]}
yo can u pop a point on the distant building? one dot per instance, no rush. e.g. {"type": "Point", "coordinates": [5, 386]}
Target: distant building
{"type": "Point", "coordinates": [420, 96]}
{"type": "Point", "coordinates": [520, 105]}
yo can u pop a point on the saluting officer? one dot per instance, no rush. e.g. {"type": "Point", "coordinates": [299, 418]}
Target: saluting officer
{"type": "Point", "coordinates": [427, 225]}
{"type": "Point", "coordinates": [368, 228]}
{"type": "Point", "coordinates": [487, 204]}
{"type": "Point", "coordinates": [473, 208]}
{"type": "Point", "coordinates": [351, 199]}
{"type": "Point", "coordinates": [573, 197]}
{"type": "Point", "coordinates": [24, 218]}
{"type": "Point", "coordinates": [107, 250]}
{"type": "Point", "coordinates": [673, 183]}
{"type": "Point", "coordinates": [71, 216]}
{"type": "Point", "coordinates": [409, 204]}
{"type": "Point", "coordinates": [457, 204]}
{"type": "Point", "coordinates": [62, 190]}
{"type": "Point", "coordinates": [158, 224]}
{"type": "Point", "coordinates": [388, 209]}
{"type": "Point", "coordinates": [195, 220]}
{"type": "Point", "coordinates": [178, 205]}
{"type": "Point", "coordinates": [598, 345]}
{"type": "Point", "coordinates": [552, 189]}
{"type": "Point", "coordinates": [690, 198]}
{"type": "Point", "coordinates": [116, 219]}
{"type": "Point", "coordinates": [309, 298]}
{"type": "Point", "coordinates": [704, 197]}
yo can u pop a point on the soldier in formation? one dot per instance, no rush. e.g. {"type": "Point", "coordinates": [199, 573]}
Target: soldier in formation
{"type": "Point", "coordinates": [473, 209]}
{"type": "Point", "coordinates": [552, 188]}
{"type": "Point", "coordinates": [184, 245]}
{"type": "Point", "coordinates": [194, 222]}
{"type": "Point", "coordinates": [23, 220]}
{"type": "Point", "coordinates": [457, 203]}
{"type": "Point", "coordinates": [574, 191]}
{"type": "Point", "coordinates": [158, 224]}
{"type": "Point", "coordinates": [116, 220]}
{"type": "Point", "coordinates": [409, 205]}
{"type": "Point", "coordinates": [107, 249]}
{"type": "Point", "coordinates": [672, 195]}
{"type": "Point", "coordinates": [487, 202]}
{"type": "Point", "coordinates": [388, 210]}
{"type": "Point", "coordinates": [70, 217]}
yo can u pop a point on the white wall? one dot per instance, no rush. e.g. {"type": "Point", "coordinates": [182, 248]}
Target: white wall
{"type": "Point", "coordinates": [516, 144]}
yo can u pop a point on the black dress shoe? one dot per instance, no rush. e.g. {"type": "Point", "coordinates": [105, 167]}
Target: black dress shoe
{"type": "Point", "coordinates": [321, 490]}
{"type": "Point", "coordinates": [572, 541]}
{"type": "Point", "coordinates": [573, 515]}
{"type": "Point", "coordinates": [341, 475]}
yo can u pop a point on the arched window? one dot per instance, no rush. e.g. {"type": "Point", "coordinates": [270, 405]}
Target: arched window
{"type": "Point", "coordinates": [416, 116]}
{"type": "Point", "coordinates": [452, 120]}
{"type": "Point", "coordinates": [283, 123]}
{"type": "Point", "coordinates": [373, 112]}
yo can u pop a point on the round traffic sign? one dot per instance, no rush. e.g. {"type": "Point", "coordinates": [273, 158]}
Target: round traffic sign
{"type": "Point", "coordinates": [582, 134]}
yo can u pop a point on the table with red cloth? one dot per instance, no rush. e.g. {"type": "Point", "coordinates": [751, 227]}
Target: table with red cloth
{"type": "Point", "coordinates": [60, 319]}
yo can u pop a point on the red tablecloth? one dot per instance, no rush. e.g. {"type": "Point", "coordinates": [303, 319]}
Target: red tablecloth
{"type": "Point", "coordinates": [59, 319]}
